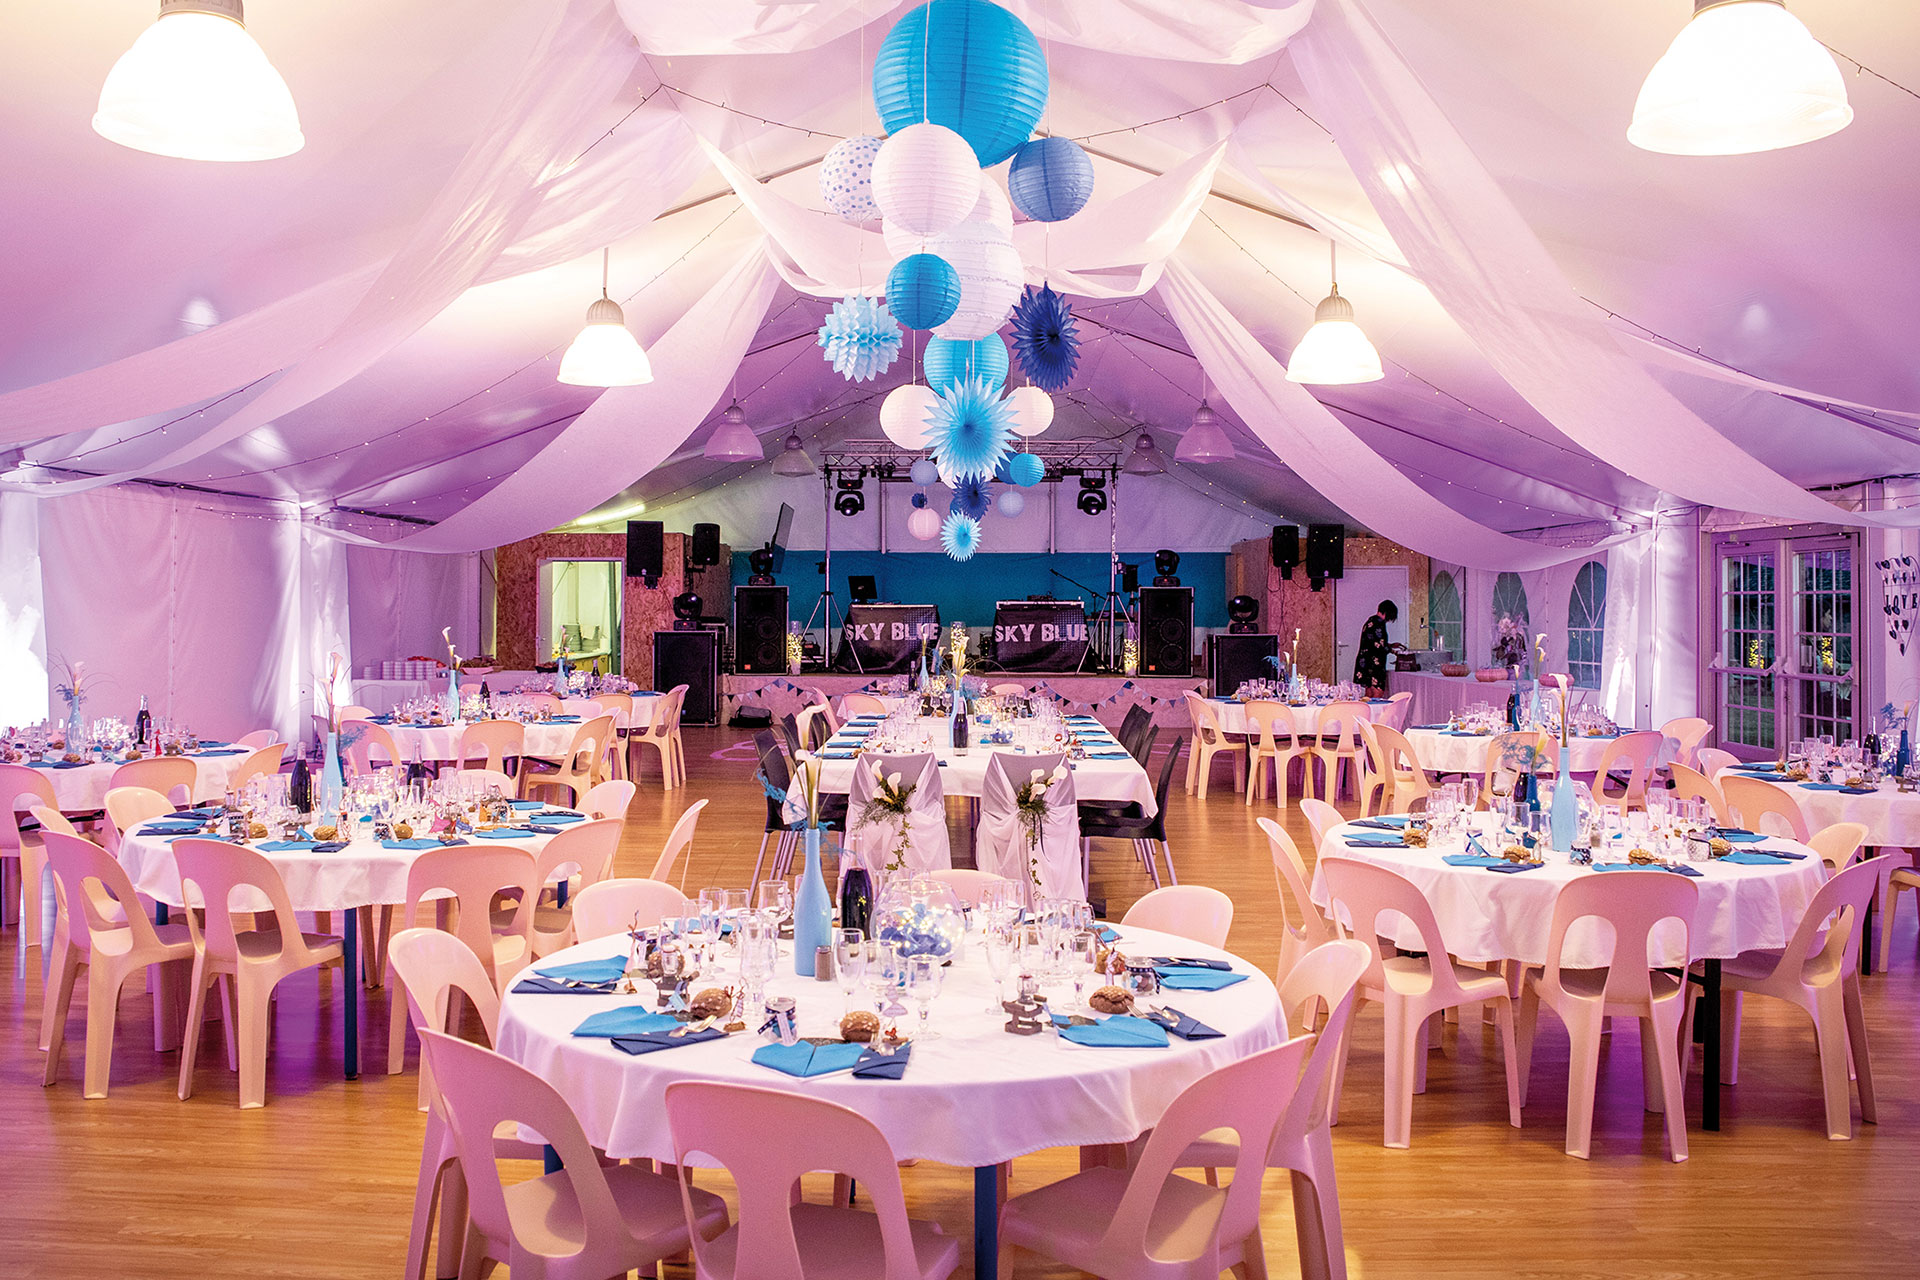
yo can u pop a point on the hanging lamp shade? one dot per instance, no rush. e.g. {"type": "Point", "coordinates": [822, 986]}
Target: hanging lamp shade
{"type": "Point", "coordinates": [948, 361]}
{"type": "Point", "coordinates": [990, 274]}
{"type": "Point", "coordinates": [1742, 76]}
{"type": "Point", "coordinates": [197, 86]}
{"type": "Point", "coordinates": [605, 354]}
{"type": "Point", "coordinates": [1051, 179]}
{"type": "Point", "coordinates": [924, 524]}
{"type": "Point", "coordinates": [1206, 440]}
{"type": "Point", "coordinates": [903, 415]}
{"type": "Point", "coordinates": [733, 440]}
{"type": "Point", "coordinates": [1032, 410]}
{"type": "Point", "coordinates": [846, 178]}
{"type": "Point", "coordinates": [1145, 460]}
{"type": "Point", "coordinates": [967, 64]}
{"type": "Point", "coordinates": [925, 179]}
{"type": "Point", "coordinates": [794, 460]}
{"type": "Point", "coordinates": [922, 291]}
{"type": "Point", "coordinates": [1334, 352]}
{"type": "Point", "coordinates": [1026, 470]}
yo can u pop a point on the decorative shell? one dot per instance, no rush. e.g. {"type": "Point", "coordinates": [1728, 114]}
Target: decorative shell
{"type": "Point", "coordinates": [403, 831]}
{"type": "Point", "coordinates": [714, 1002]}
{"type": "Point", "coordinates": [860, 1026]}
{"type": "Point", "coordinates": [1111, 1000]}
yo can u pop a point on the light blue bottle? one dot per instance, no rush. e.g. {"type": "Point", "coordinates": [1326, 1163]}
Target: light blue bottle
{"type": "Point", "coordinates": [453, 694]}
{"type": "Point", "coordinates": [333, 787]}
{"type": "Point", "coordinates": [1564, 819]}
{"type": "Point", "coordinates": [812, 909]}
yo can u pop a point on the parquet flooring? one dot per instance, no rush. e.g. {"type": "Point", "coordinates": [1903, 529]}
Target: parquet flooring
{"type": "Point", "coordinates": [320, 1182]}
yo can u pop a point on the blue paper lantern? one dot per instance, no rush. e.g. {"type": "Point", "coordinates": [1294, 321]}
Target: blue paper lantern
{"type": "Point", "coordinates": [1051, 179]}
{"type": "Point", "coordinates": [923, 471]}
{"type": "Point", "coordinates": [949, 361]}
{"type": "Point", "coordinates": [970, 498]}
{"type": "Point", "coordinates": [923, 290]}
{"type": "Point", "coordinates": [967, 64]}
{"type": "Point", "coordinates": [1026, 470]}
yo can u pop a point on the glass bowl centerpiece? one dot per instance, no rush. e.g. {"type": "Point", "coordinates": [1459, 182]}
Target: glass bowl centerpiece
{"type": "Point", "coordinates": [922, 915]}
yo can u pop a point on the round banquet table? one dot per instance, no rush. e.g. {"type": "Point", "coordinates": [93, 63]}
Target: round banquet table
{"type": "Point", "coordinates": [1488, 916]}
{"type": "Point", "coordinates": [1450, 751]}
{"type": "Point", "coordinates": [1121, 780]}
{"type": "Point", "coordinates": [83, 788]}
{"type": "Point", "coordinates": [1233, 714]}
{"type": "Point", "coordinates": [975, 1096]}
{"type": "Point", "coordinates": [545, 739]}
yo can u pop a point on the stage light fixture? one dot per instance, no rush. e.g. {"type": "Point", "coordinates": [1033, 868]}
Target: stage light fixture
{"type": "Point", "coordinates": [1093, 495]}
{"type": "Point", "coordinates": [849, 500]}
{"type": "Point", "coordinates": [686, 611]}
{"type": "Point", "coordinates": [761, 562]}
{"type": "Point", "coordinates": [1243, 613]}
{"type": "Point", "coordinates": [1166, 568]}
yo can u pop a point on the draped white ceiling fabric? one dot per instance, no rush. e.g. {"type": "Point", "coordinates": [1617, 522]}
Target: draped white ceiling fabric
{"type": "Point", "coordinates": [1577, 335]}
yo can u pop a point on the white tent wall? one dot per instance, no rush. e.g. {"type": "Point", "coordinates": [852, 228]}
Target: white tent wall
{"type": "Point", "coordinates": [398, 601]}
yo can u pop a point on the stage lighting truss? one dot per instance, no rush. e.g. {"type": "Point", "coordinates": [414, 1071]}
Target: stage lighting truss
{"type": "Point", "coordinates": [1095, 464]}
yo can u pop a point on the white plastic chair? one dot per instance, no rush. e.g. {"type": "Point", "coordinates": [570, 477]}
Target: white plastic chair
{"type": "Point", "coordinates": [1690, 784]}
{"type": "Point", "coordinates": [1321, 818]}
{"type": "Point", "coordinates": [611, 799]}
{"type": "Point", "coordinates": [1713, 760]}
{"type": "Point", "coordinates": [127, 808]}
{"type": "Point", "coordinates": [22, 788]}
{"type": "Point", "coordinates": [1395, 776]}
{"type": "Point", "coordinates": [1336, 741]}
{"type": "Point", "coordinates": [1290, 879]}
{"type": "Point", "coordinates": [1188, 910]}
{"type": "Point", "coordinates": [1753, 802]}
{"type": "Point", "coordinates": [616, 906]}
{"type": "Point", "coordinates": [1687, 733]}
{"type": "Point", "coordinates": [1271, 742]}
{"type": "Point", "coordinates": [1209, 740]}
{"type": "Point", "coordinates": [1637, 751]}
{"type": "Point", "coordinates": [679, 845]}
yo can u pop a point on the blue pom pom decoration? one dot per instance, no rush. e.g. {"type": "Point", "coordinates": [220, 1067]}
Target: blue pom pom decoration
{"type": "Point", "coordinates": [948, 360]}
{"type": "Point", "coordinates": [969, 65]}
{"type": "Point", "coordinates": [1026, 470]}
{"type": "Point", "coordinates": [960, 537]}
{"type": "Point", "coordinates": [861, 338]}
{"type": "Point", "coordinates": [923, 290]}
{"type": "Point", "coordinates": [924, 471]}
{"type": "Point", "coordinates": [1051, 179]}
{"type": "Point", "coordinates": [919, 501]}
{"type": "Point", "coordinates": [1045, 340]}
{"type": "Point", "coordinates": [970, 430]}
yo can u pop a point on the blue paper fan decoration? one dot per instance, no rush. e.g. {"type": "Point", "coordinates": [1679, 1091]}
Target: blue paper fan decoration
{"type": "Point", "coordinates": [1044, 339]}
{"type": "Point", "coordinates": [970, 430]}
{"type": "Point", "coordinates": [861, 338]}
{"type": "Point", "coordinates": [960, 536]}
{"type": "Point", "coordinates": [970, 498]}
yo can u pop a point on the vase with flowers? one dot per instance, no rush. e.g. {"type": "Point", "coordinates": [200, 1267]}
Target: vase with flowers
{"type": "Point", "coordinates": [74, 693]}
{"type": "Point", "coordinates": [1030, 807]}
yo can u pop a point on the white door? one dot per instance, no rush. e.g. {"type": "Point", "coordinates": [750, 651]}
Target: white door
{"type": "Point", "coordinates": [1355, 598]}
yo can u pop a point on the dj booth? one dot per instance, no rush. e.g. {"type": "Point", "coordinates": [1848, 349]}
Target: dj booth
{"type": "Point", "coordinates": [1040, 635]}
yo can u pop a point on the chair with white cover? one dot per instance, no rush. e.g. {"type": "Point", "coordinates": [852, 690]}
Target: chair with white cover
{"type": "Point", "coordinates": [1321, 818]}
{"type": "Point", "coordinates": [100, 926]}
{"type": "Point", "coordinates": [861, 704]}
{"type": "Point", "coordinates": [610, 799]}
{"type": "Point", "coordinates": [1148, 1221]}
{"type": "Point", "coordinates": [1838, 845]}
{"type": "Point", "coordinates": [1637, 751]}
{"type": "Point", "coordinates": [1002, 842]}
{"type": "Point", "coordinates": [492, 742]}
{"type": "Point", "coordinates": [587, 1221]}
{"type": "Point", "coordinates": [1686, 733]}
{"type": "Point", "coordinates": [1209, 740]}
{"type": "Point", "coordinates": [1290, 880]}
{"type": "Point", "coordinates": [1690, 784]}
{"type": "Point", "coordinates": [877, 844]}
{"type": "Point", "coordinates": [780, 1236]}
{"type": "Point", "coordinates": [663, 735]}
{"type": "Point", "coordinates": [24, 788]}
{"type": "Point", "coordinates": [1818, 972]}
{"type": "Point", "coordinates": [1713, 760]}
{"type": "Point", "coordinates": [1336, 742]}
{"type": "Point", "coordinates": [257, 739]}
{"type": "Point", "coordinates": [127, 808]}
{"type": "Point", "coordinates": [1412, 988]}
{"type": "Point", "coordinates": [1394, 773]}
{"type": "Point", "coordinates": [578, 769]}
{"type": "Point", "coordinates": [583, 854]}
{"type": "Point", "coordinates": [1271, 743]}
{"type": "Point", "coordinates": [1192, 911]}
{"type": "Point", "coordinates": [615, 906]}
{"type": "Point", "coordinates": [967, 884]}
{"type": "Point", "coordinates": [263, 763]}
{"type": "Point", "coordinates": [1614, 917]}
{"type": "Point", "coordinates": [1761, 806]}
{"type": "Point", "coordinates": [1325, 978]}
{"type": "Point", "coordinates": [679, 846]}
{"type": "Point", "coordinates": [174, 777]}
{"type": "Point", "coordinates": [229, 881]}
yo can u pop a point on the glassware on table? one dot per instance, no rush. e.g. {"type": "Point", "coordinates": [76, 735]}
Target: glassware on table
{"type": "Point", "coordinates": [883, 964]}
{"type": "Point", "coordinates": [1083, 950]}
{"type": "Point", "coordinates": [998, 944]}
{"type": "Point", "coordinates": [849, 964]}
{"type": "Point", "coordinates": [923, 977]}
{"type": "Point", "coordinates": [759, 947]}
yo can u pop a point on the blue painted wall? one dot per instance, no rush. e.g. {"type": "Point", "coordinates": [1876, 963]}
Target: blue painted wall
{"type": "Point", "coordinates": [967, 592]}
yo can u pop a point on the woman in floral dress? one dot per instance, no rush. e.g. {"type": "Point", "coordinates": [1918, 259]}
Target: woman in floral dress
{"type": "Point", "coordinates": [1370, 663]}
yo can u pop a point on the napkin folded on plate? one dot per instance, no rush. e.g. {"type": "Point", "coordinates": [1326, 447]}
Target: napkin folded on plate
{"type": "Point", "coordinates": [875, 1065]}
{"type": "Point", "coordinates": [56, 764]}
{"type": "Point", "coordinates": [807, 1059]}
{"type": "Point", "coordinates": [173, 826]}
{"type": "Point", "coordinates": [630, 1021]}
{"type": "Point", "coordinates": [539, 986]}
{"type": "Point", "coordinates": [1754, 858]}
{"type": "Point", "coordinates": [1473, 860]}
{"type": "Point", "coordinates": [842, 755]}
{"type": "Point", "coordinates": [201, 814]}
{"type": "Point", "coordinates": [1189, 962]}
{"type": "Point", "coordinates": [285, 846]}
{"type": "Point", "coordinates": [416, 843]}
{"type": "Point", "coordinates": [528, 804]}
{"type": "Point", "coordinates": [558, 815]}
{"type": "Point", "coordinates": [653, 1041]}
{"type": "Point", "coordinates": [1646, 866]}
{"type": "Point", "coordinates": [222, 751]}
{"type": "Point", "coordinates": [1840, 787]}
{"type": "Point", "coordinates": [1367, 841]}
{"type": "Point", "coordinates": [1181, 978]}
{"type": "Point", "coordinates": [506, 833]}
{"type": "Point", "coordinates": [1122, 1031]}
{"type": "Point", "coordinates": [606, 969]}
{"type": "Point", "coordinates": [1395, 823]}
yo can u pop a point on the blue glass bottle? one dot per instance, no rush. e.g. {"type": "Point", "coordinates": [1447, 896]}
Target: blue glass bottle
{"type": "Point", "coordinates": [812, 909]}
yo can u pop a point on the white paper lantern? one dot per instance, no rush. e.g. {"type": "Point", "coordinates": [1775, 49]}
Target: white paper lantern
{"type": "Point", "coordinates": [903, 415]}
{"type": "Point", "coordinates": [926, 179]}
{"type": "Point", "coordinates": [992, 207]}
{"type": "Point", "coordinates": [902, 243]}
{"type": "Point", "coordinates": [1010, 503]}
{"type": "Point", "coordinates": [991, 278]}
{"type": "Point", "coordinates": [1032, 410]}
{"type": "Point", "coordinates": [846, 179]}
{"type": "Point", "coordinates": [924, 524]}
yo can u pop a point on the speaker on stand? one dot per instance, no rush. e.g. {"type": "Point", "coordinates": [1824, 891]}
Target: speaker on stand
{"type": "Point", "coordinates": [1166, 631]}
{"type": "Point", "coordinates": [646, 550]}
{"type": "Point", "coordinates": [1326, 553]}
{"type": "Point", "coordinates": [690, 658]}
{"type": "Point", "coordinates": [1284, 548]}
{"type": "Point", "coordinates": [760, 630]}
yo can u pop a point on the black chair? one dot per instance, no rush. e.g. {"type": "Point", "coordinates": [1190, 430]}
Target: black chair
{"type": "Point", "coordinates": [1136, 826]}
{"type": "Point", "coordinates": [773, 763]}
{"type": "Point", "coordinates": [790, 726]}
{"type": "Point", "coordinates": [1137, 722]}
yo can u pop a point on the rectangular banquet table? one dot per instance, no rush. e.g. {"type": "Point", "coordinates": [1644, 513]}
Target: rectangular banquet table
{"type": "Point", "coordinates": [1121, 780]}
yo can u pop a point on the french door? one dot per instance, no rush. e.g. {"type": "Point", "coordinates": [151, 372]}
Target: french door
{"type": "Point", "coordinates": [1788, 629]}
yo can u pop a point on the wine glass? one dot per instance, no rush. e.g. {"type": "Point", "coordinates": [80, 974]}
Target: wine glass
{"type": "Point", "coordinates": [849, 963]}
{"type": "Point", "coordinates": [1082, 951]}
{"type": "Point", "coordinates": [998, 942]}
{"type": "Point", "coordinates": [923, 977]}
{"type": "Point", "coordinates": [759, 947]}
{"type": "Point", "coordinates": [882, 959]}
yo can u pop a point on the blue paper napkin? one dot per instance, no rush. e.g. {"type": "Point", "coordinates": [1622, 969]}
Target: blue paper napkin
{"type": "Point", "coordinates": [607, 969]}
{"type": "Point", "coordinates": [173, 826]}
{"type": "Point", "coordinates": [1122, 1031]}
{"type": "Point", "coordinates": [564, 720]}
{"type": "Point", "coordinates": [1473, 860]}
{"type": "Point", "coordinates": [629, 1021]}
{"type": "Point", "coordinates": [1369, 841]}
{"type": "Point", "coordinates": [1769, 777]}
{"type": "Point", "coordinates": [56, 764]}
{"type": "Point", "coordinates": [1754, 858]}
{"type": "Point", "coordinates": [1180, 978]}
{"type": "Point", "coordinates": [842, 755]}
{"type": "Point", "coordinates": [539, 986]}
{"type": "Point", "coordinates": [1107, 755]}
{"type": "Point", "coordinates": [528, 804]}
{"type": "Point", "coordinates": [1738, 835]}
{"type": "Point", "coordinates": [652, 1041]}
{"type": "Point", "coordinates": [416, 843]}
{"type": "Point", "coordinates": [874, 1065]}
{"type": "Point", "coordinates": [1109, 935]}
{"type": "Point", "coordinates": [1643, 866]}
{"type": "Point", "coordinates": [1184, 1025]}
{"type": "Point", "coordinates": [1189, 962]}
{"type": "Point", "coordinates": [1395, 823]}
{"type": "Point", "coordinates": [559, 815]}
{"type": "Point", "coordinates": [505, 833]}
{"type": "Point", "coordinates": [286, 846]}
{"type": "Point", "coordinates": [1441, 725]}
{"type": "Point", "coordinates": [201, 814]}
{"type": "Point", "coordinates": [1758, 766]}
{"type": "Point", "coordinates": [1841, 787]}
{"type": "Point", "coordinates": [222, 751]}
{"type": "Point", "coordinates": [804, 1059]}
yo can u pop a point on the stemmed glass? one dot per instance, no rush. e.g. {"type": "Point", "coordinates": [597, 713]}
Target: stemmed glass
{"type": "Point", "coordinates": [776, 896]}
{"type": "Point", "coordinates": [849, 963]}
{"type": "Point", "coordinates": [923, 977]}
{"type": "Point", "coordinates": [759, 947]}
{"type": "Point", "coordinates": [883, 959]}
{"type": "Point", "coordinates": [1082, 951]}
{"type": "Point", "coordinates": [997, 942]}
{"type": "Point", "coordinates": [733, 912]}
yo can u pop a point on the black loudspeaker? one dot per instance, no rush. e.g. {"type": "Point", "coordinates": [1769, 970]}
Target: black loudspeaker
{"type": "Point", "coordinates": [690, 658]}
{"type": "Point", "coordinates": [1232, 660]}
{"type": "Point", "coordinates": [646, 550]}
{"type": "Point", "coordinates": [1166, 631]}
{"type": "Point", "coordinates": [1326, 550]}
{"type": "Point", "coordinates": [1285, 547]}
{"type": "Point", "coordinates": [704, 552]}
{"type": "Point", "coordinates": [760, 630]}
{"type": "Point", "coordinates": [1129, 578]}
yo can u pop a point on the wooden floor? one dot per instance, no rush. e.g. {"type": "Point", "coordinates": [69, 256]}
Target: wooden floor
{"type": "Point", "coordinates": [320, 1182]}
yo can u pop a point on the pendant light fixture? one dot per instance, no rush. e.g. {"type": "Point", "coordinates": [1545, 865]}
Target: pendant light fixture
{"type": "Point", "coordinates": [794, 460]}
{"type": "Point", "coordinates": [1742, 76]}
{"type": "Point", "coordinates": [605, 354]}
{"type": "Point", "coordinates": [733, 440]}
{"type": "Point", "coordinates": [1146, 459]}
{"type": "Point", "coordinates": [195, 85]}
{"type": "Point", "coordinates": [1334, 352]}
{"type": "Point", "coordinates": [1205, 441]}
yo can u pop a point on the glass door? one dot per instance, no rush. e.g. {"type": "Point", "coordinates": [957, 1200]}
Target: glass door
{"type": "Point", "coordinates": [1748, 620]}
{"type": "Point", "coordinates": [1786, 641]}
{"type": "Point", "coordinates": [1822, 694]}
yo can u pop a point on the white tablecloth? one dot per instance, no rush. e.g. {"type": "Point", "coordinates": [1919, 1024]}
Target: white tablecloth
{"type": "Point", "coordinates": [361, 875]}
{"type": "Point", "coordinates": [1120, 780]}
{"type": "Point", "coordinates": [974, 1097]}
{"type": "Point", "coordinates": [544, 739]}
{"type": "Point", "coordinates": [1493, 915]}
{"type": "Point", "coordinates": [83, 789]}
{"type": "Point", "coordinates": [1444, 752]}
{"type": "Point", "coordinates": [1889, 817]}
{"type": "Point", "coordinates": [1233, 714]}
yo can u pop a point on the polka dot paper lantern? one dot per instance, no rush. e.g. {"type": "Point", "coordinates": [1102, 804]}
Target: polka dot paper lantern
{"type": "Point", "coordinates": [1026, 470]}
{"type": "Point", "coordinates": [947, 361]}
{"type": "Point", "coordinates": [926, 179]}
{"type": "Point", "coordinates": [991, 278]}
{"type": "Point", "coordinates": [924, 524]}
{"type": "Point", "coordinates": [1032, 410]}
{"type": "Point", "coordinates": [922, 291]}
{"type": "Point", "coordinates": [903, 415]}
{"type": "Point", "coordinates": [1010, 502]}
{"type": "Point", "coordinates": [846, 178]}
{"type": "Point", "coordinates": [1051, 179]}
{"type": "Point", "coordinates": [967, 64]}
